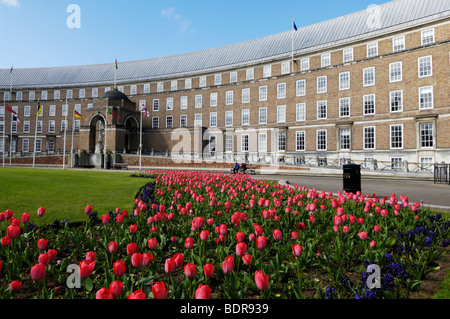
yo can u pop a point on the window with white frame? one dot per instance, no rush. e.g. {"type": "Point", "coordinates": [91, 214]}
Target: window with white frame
{"type": "Point", "coordinates": [218, 79]}
{"type": "Point", "coordinates": [174, 85]}
{"type": "Point", "coordinates": [2, 126]}
{"type": "Point", "coordinates": [160, 87]}
{"type": "Point", "coordinates": [228, 143]}
{"type": "Point", "coordinates": [262, 142]}
{"type": "Point", "coordinates": [229, 98]}
{"type": "Point", "coordinates": [322, 84]}
{"type": "Point", "coordinates": [94, 93]}
{"type": "Point", "coordinates": [396, 101]}
{"type": "Point", "coordinates": [69, 94]}
{"type": "Point", "coordinates": [82, 93]}
{"type": "Point", "coordinates": [52, 110]}
{"type": "Point", "coordinates": [428, 36]}
{"type": "Point", "coordinates": [250, 74]}
{"type": "Point", "coordinates": [281, 113]}
{"type": "Point", "coordinates": [213, 99]}
{"type": "Point", "coordinates": [213, 119]}
{"type": "Point", "coordinates": [285, 68]}
{"type": "Point", "coordinates": [263, 93]}
{"type": "Point", "coordinates": [321, 140]}
{"type": "Point", "coordinates": [6, 96]}
{"type": "Point", "coordinates": [321, 110]}
{"type": "Point", "coordinates": [63, 125]}
{"type": "Point", "coordinates": [51, 145]}
{"type": "Point", "coordinates": [183, 102]}
{"type": "Point", "coordinates": [25, 145]}
{"type": "Point", "coordinates": [90, 105]}
{"type": "Point", "coordinates": [304, 64]}
{"type": "Point", "coordinates": [133, 89]}
{"type": "Point", "coordinates": [51, 126]}
{"type": "Point", "coordinates": [155, 122]}
{"type": "Point", "coordinates": [198, 122]}
{"type": "Point", "coordinates": [76, 125]}
{"type": "Point", "coordinates": [325, 60]}
{"type": "Point", "coordinates": [262, 115]}
{"type": "Point", "coordinates": [183, 120]}
{"type": "Point", "coordinates": [369, 137]}
{"type": "Point", "coordinates": [169, 121]}
{"type": "Point", "coordinates": [44, 95]}
{"type": "Point", "coordinates": [372, 49]}
{"type": "Point", "coordinates": [281, 141]}
{"type": "Point", "coordinates": [300, 88]}
{"type": "Point", "coordinates": [396, 136]}
{"type": "Point", "coordinates": [26, 126]}
{"type": "Point", "coordinates": [369, 76]}
{"type": "Point", "coordinates": [244, 143]}
{"type": "Point", "coordinates": [397, 163]}
{"type": "Point", "coordinates": [398, 43]}
{"type": "Point", "coordinates": [395, 72]}
{"type": "Point", "coordinates": [2, 111]}
{"type": "Point", "coordinates": [229, 118]}
{"type": "Point", "coordinates": [38, 145]}
{"type": "Point", "coordinates": [344, 81]}
{"type": "Point", "coordinates": [300, 141]}
{"type": "Point", "coordinates": [369, 104]}
{"type": "Point", "coordinates": [281, 90]}
{"type": "Point", "coordinates": [233, 77]}
{"type": "Point", "coordinates": [344, 107]}
{"type": "Point", "coordinates": [146, 88]}
{"type": "Point", "coordinates": [19, 96]}
{"type": "Point", "coordinates": [246, 95]}
{"type": "Point", "coordinates": [202, 81]}
{"type": "Point", "coordinates": [187, 84]}
{"type": "Point", "coordinates": [426, 135]}
{"type": "Point", "coordinates": [245, 117]}
{"type": "Point", "coordinates": [267, 71]}
{"type": "Point", "coordinates": [425, 66]}
{"type": "Point", "coordinates": [300, 112]}
{"type": "Point", "coordinates": [78, 108]}
{"type": "Point", "coordinates": [347, 55]}
{"type": "Point", "coordinates": [426, 163]}
{"type": "Point", "coordinates": [198, 101]}
{"type": "Point", "coordinates": [13, 126]}
{"type": "Point", "coordinates": [107, 89]}
{"type": "Point", "coordinates": [31, 96]}
{"type": "Point", "coordinates": [426, 98]}
{"type": "Point", "coordinates": [65, 110]}
{"type": "Point", "coordinates": [27, 110]}
{"type": "Point", "coordinates": [344, 139]}
{"type": "Point", "coordinates": [39, 126]}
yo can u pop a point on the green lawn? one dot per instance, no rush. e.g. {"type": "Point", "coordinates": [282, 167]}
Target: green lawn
{"type": "Point", "coordinates": [65, 193]}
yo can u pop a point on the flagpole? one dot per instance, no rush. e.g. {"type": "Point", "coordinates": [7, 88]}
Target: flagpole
{"type": "Point", "coordinates": [65, 135]}
{"type": "Point", "coordinates": [73, 132]}
{"type": "Point", "coordinates": [10, 98]}
{"type": "Point", "coordinates": [35, 136]}
{"type": "Point", "coordinates": [10, 141]}
{"type": "Point", "coordinates": [106, 130]}
{"type": "Point", "coordinates": [140, 143]}
{"type": "Point", "coordinates": [3, 141]}
{"type": "Point", "coordinates": [292, 44]}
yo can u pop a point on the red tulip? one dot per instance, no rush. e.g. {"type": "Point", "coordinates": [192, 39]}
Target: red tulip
{"type": "Point", "coordinates": [106, 219]}
{"type": "Point", "coordinates": [147, 259]}
{"type": "Point", "coordinates": [247, 259]}
{"type": "Point", "coordinates": [360, 220]}
{"type": "Point", "coordinates": [337, 220]}
{"type": "Point", "coordinates": [261, 242]}
{"type": "Point", "coordinates": [312, 219]}
{"type": "Point", "coordinates": [138, 294]}
{"type": "Point", "coordinates": [159, 290]}
{"type": "Point", "coordinates": [152, 243]}
{"type": "Point", "coordinates": [2, 216]}
{"type": "Point", "coordinates": [116, 289]}
{"type": "Point", "coordinates": [41, 211]}
{"type": "Point", "coordinates": [170, 265]}
{"type": "Point", "coordinates": [42, 244]}
{"type": "Point", "coordinates": [90, 255]}
{"type": "Point", "coordinates": [88, 210]}
{"type": "Point", "coordinates": [240, 237]}
{"type": "Point", "coordinates": [25, 218]}
{"type": "Point", "coordinates": [37, 272]}
{"type": "Point", "coordinates": [297, 250]}
{"type": "Point", "coordinates": [52, 254]}
{"type": "Point", "coordinates": [178, 258]}
{"type": "Point", "coordinates": [131, 249]}
{"type": "Point", "coordinates": [8, 214]}
{"type": "Point", "coordinates": [103, 293]}
{"type": "Point", "coordinates": [189, 243]}
{"type": "Point", "coordinates": [345, 229]}
{"type": "Point", "coordinates": [208, 269]}
{"type": "Point", "coordinates": [136, 260]}
{"type": "Point", "coordinates": [376, 228]}
{"type": "Point", "coordinates": [6, 241]}
{"type": "Point", "coordinates": [204, 234]}
{"type": "Point", "coordinates": [119, 268]}
{"type": "Point", "coordinates": [277, 234]}
{"type": "Point", "coordinates": [133, 229]}
{"type": "Point", "coordinates": [261, 280]}
{"type": "Point", "coordinates": [203, 292]}
{"type": "Point", "coordinates": [86, 268]}
{"type": "Point", "coordinates": [15, 285]}
{"type": "Point", "coordinates": [112, 247]}
{"type": "Point", "coordinates": [190, 270]}
{"type": "Point", "coordinates": [228, 264]}
{"type": "Point", "coordinates": [44, 259]}
{"type": "Point", "coordinates": [362, 235]}
{"type": "Point", "coordinates": [241, 248]}
{"type": "Point", "coordinates": [13, 231]}
{"type": "Point", "coordinates": [1, 264]}
{"type": "Point", "coordinates": [119, 219]}
{"type": "Point", "coordinates": [373, 244]}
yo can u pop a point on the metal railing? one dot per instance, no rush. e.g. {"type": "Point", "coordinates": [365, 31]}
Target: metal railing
{"type": "Point", "coordinates": [442, 173]}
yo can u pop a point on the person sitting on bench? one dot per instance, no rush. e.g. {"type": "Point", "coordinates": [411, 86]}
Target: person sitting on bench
{"type": "Point", "coordinates": [243, 167]}
{"type": "Point", "coordinates": [236, 168]}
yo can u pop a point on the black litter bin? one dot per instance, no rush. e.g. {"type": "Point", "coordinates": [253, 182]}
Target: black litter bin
{"type": "Point", "coordinates": [352, 178]}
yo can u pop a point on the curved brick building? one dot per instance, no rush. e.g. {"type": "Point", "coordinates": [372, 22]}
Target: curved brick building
{"type": "Point", "coordinates": [370, 87]}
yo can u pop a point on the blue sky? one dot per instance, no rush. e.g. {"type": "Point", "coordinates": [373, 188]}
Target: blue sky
{"type": "Point", "coordinates": [35, 33]}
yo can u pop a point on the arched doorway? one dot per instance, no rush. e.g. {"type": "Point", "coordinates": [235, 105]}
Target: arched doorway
{"type": "Point", "coordinates": [97, 134]}
{"type": "Point", "coordinates": [131, 142]}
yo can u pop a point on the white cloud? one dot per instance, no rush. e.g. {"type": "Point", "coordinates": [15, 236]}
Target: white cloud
{"type": "Point", "coordinates": [10, 3]}
{"type": "Point", "coordinates": [170, 13]}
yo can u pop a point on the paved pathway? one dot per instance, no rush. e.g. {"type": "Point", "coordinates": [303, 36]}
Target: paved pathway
{"type": "Point", "coordinates": [434, 195]}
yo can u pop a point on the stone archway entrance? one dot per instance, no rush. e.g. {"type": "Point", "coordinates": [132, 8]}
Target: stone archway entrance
{"type": "Point", "coordinates": [131, 136]}
{"type": "Point", "coordinates": [97, 134]}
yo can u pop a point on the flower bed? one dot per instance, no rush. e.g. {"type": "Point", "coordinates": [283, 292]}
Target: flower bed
{"type": "Point", "coordinates": [213, 235]}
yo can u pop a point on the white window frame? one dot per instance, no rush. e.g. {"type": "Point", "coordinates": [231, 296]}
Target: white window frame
{"type": "Point", "coordinates": [146, 88]}
{"type": "Point", "coordinates": [183, 117]}
{"type": "Point", "coordinates": [318, 132]}
{"type": "Point", "coordinates": [155, 122]}
{"type": "Point", "coordinates": [281, 114]}
{"type": "Point", "coordinates": [263, 93]}
{"type": "Point", "coordinates": [183, 102]}
{"type": "Point", "coordinates": [169, 121]}
{"type": "Point", "coordinates": [169, 104]}
{"type": "Point", "coordinates": [229, 97]}
{"type": "Point", "coordinates": [218, 79]}
{"type": "Point", "coordinates": [198, 101]}
{"type": "Point", "coordinates": [396, 72]}
{"type": "Point", "coordinates": [233, 77]}
{"type": "Point", "coordinates": [250, 74]}
{"type": "Point", "coordinates": [160, 87]}
{"type": "Point", "coordinates": [393, 95]}
{"type": "Point", "coordinates": [281, 90]}
{"type": "Point", "coordinates": [245, 95]}
{"type": "Point", "coordinates": [369, 76]}
{"type": "Point", "coordinates": [300, 112]}
{"type": "Point", "coordinates": [344, 81]}
{"type": "Point", "coordinates": [344, 107]}
{"type": "Point", "coordinates": [391, 141]}
{"type": "Point", "coordinates": [262, 115]}
{"type": "Point", "coordinates": [213, 119]}
{"type": "Point", "coordinates": [304, 64]}
{"type": "Point", "coordinates": [245, 117]}
{"type": "Point", "coordinates": [428, 141]}
{"type": "Point", "coordinates": [25, 145]}
{"type": "Point", "coordinates": [325, 60]}
{"type": "Point", "coordinates": [285, 67]}
{"type": "Point", "coordinates": [52, 110]}
{"type": "Point", "coordinates": [300, 141]}
{"type": "Point", "coordinates": [198, 120]}
{"type": "Point", "coordinates": [398, 43]}
{"type": "Point", "coordinates": [369, 98]}
{"type": "Point", "coordinates": [431, 102]}
{"type": "Point", "coordinates": [347, 55]}
{"type": "Point", "coordinates": [213, 99]}
{"type": "Point", "coordinates": [228, 118]}
{"type": "Point", "coordinates": [322, 110]}
{"type": "Point", "coordinates": [344, 144]}
{"type": "Point", "coordinates": [322, 84]}
{"type": "Point", "coordinates": [372, 49]}
{"type": "Point", "coordinates": [245, 143]}
{"type": "Point", "coordinates": [267, 71]}
{"type": "Point", "coordinates": [425, 63]}
{"type": "Point", "coordinates": [262, 142]}
{"type": "Point", "coordinates": [367, 139]}
{"type": "Point", "coordinates": [202, 82]}
{"type": "Point", "coordinates": [188, 84]}
{"type": "Point", "coordinates": [81, 93]}
{"type": "Point", "coordinates": [423, 36]}
{"type": "Point", "coordinates": [300, 88]}
{"type": "Point", "coordinates": [173, 85]}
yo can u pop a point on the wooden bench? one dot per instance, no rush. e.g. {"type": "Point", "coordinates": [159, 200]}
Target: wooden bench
{"type": "Point", "coordinates": [251, 169]}
{"type": "Point", "coordinates": [121, 166]}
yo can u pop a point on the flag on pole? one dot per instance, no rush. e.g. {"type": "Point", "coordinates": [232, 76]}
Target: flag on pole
{"type": "Point", "coordinates": [10, 109]}
{"type": "Point", "coordinates": [295, 26]}
{"type": "Point", "coordinates": [110, 111]}
{"type": "Point", "coordinates": [76, 114]}
{"type": "Point", "coordinates": [16, 119]}
{"type": "Point", "coordinates": [116, 65]}
{"type": "Point", "coordinates": [39, 109]}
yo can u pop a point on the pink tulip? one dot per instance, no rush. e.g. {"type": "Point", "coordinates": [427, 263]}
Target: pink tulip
{"type": "Point", "coordinates": [247, 259]}
{"type": "Point", "coordinates": [37, 272]}
{"type": "Point", "coordinates": [25, 218]}
{"type": "Point", "coordinates": [261, 242]}
{"type": "Point", "coordinates": [204, 234]}
{"type": "Point", "coordinates": [112, 247]}
{"type": "Point", "coordinates": [203, 292]}
{"type": "Point", "coordinates": [208, 270]}
{"type": "Point", "coordinates": [103, 293]}
{"type": "Point", "coordinates": [362, 235]}
{"type": "Point", "coordinates": [41, 211]}
{"type": "Point", "coordinates": [297, 250]}
{"type": "Point", "coordinates": [228, 264]}
{"type": "Point", "coordinates": [261, 280]}
{"type": "Point", "coordinates": [152, 243]}
{"type": "Point", "coordinates": [277, 234]}
{"type": "Point", "coordinates": [190, 270]}
{"type": "Point", "coordinates": [241, 248]}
